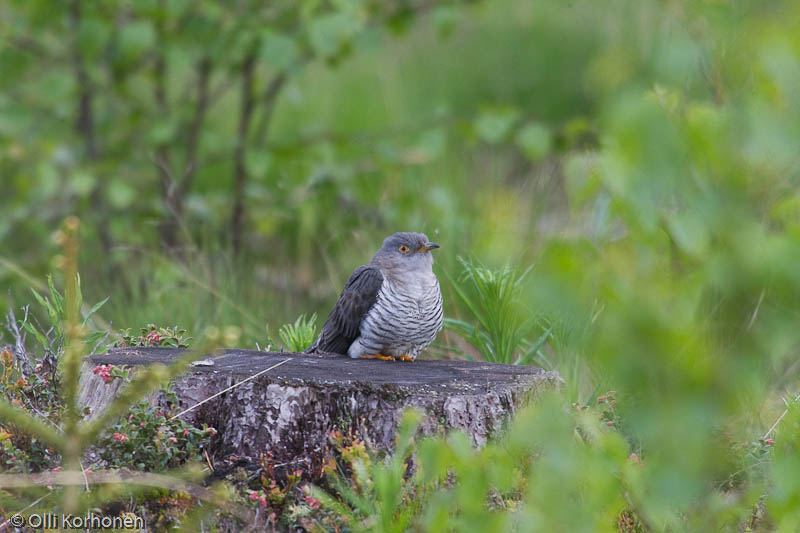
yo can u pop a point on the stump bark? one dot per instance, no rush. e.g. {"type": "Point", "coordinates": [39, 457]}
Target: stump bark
{"type": "Point", "coordinates": [290, 411]}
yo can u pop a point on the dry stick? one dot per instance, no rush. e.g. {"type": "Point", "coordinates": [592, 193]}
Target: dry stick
{"type": "Point", "coordinates": [755, 311]}
{"type": "Point", "coordinates": [229, 388]}
{"type": "Point", "coordinates": [778, 421]}
{"type": "Point", "coordinates": [30, 505]}
{"type": "Point", "coordinates": [208, 460]}
{"type": "Point", "coordinates": [19, 337]}
{"type": "Point", "coordinates": [85, 479]}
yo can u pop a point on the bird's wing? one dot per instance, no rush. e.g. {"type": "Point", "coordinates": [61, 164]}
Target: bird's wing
{"type": "Point", "coordinates": [343, 324]}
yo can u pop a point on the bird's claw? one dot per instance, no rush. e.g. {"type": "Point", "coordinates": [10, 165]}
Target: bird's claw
{"type": "Point", "coordinates": [406, 358]}
{"type": "Point", "coordinates": [378, 356]}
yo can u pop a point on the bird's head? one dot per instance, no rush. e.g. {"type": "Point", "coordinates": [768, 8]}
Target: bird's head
{"type": "Point", "coordinates": [405, 251]}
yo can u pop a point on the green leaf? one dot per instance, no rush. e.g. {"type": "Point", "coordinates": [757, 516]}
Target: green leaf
{"type": "Point", "coordinates": [534, 140]}
{"type": "Point", "coordinates": [331, 33]}
{"type": "Point", "coordinates": [39, 337]}
{"type": "Point", "coordinates": [277, 50]}
{"type": "Point", "coordinates": [94, 308]}
{"type": "Point", "coordinates": [162, 131]}
{"type": "Point", "coordinates": [135, 38]}
{"type": "Point", "coordinates": [58, 300]}
{"type": "Point", "coordinates": [430, 145]}
{"type": "Point", "coordinates": [82, 183]}
{"type": "Point", "coordinates": [493, 126]}
{"type": "Point", "coordinates": [78, 295]}
{"type": "Point", "coordinates": [40, 299]}
{"type": "Point", "coordinates": [460, 327]}
{"type": "Point", "coordinates": [93, 34]}
{"type": "Point", "coordinates": [47, 177]}
{"type": "Point", "coordinates": [258, 162]}
{"type": "Point", "coordinates": [93, 338]}
{"type": "Point", "coordinates": [690, 232]}
{"type": "Point", "coordinates": [51, 312]}
{"type": "Point", "coordinates": [445, 19]}
{"type": "Point", "coordinates": [527, 357]}
{"type": "Point", "coordinates": [120, 194]}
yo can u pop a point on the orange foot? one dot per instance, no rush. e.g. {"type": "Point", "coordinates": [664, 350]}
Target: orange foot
{"type": "Point", "coordinates": [406, 358]}
{"type": "Point", "coordinates": [378, 356]}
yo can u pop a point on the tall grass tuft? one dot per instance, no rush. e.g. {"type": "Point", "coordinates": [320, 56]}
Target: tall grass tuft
{"type": "Point", "coordinates": [502, 327]}
{"type": "Point", "coordinates": [299, 336]}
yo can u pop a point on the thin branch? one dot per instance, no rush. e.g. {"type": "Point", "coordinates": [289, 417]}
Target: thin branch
{"type": "Point", "coordinates": [12, 414]}
{"type": "Point", "coordinates": [84, 122]}
{"type": "Point", "coordinates": [240, 170]}
{"type": "Point", "coordinates": [163, 164]}
{"type": "Point", "coordinates": [270, 96]}
{"type": "Point", "coordinates": [160, 93]}
{"type": "Point", "coordinates": [27, 45]}
{"type": "Point", "coordinates": [196, 127]}
{"type": "Point", "coordinates": [216, 92]}
{"type": "Point", "coordinates": [368, 136]}
{"type": "Point", "coordinates": [13, 327]}
{"type": "Point", "coordinates": [118, 477]}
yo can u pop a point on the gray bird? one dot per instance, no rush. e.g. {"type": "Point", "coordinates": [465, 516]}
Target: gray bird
{"type": "Point", "coordinates": [390, 308]}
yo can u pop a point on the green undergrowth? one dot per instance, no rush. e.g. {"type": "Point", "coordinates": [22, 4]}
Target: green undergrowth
{"type": "Point", "coordinates": [555, 468]}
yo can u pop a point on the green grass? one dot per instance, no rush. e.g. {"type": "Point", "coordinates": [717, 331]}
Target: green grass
{"type": "Point", "coordinates": [298, 336]}
{"type": "Point", "coordinates": [492, 298]}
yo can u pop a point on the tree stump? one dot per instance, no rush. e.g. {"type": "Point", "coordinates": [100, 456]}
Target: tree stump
{"type": "Point", "coordinates": [290, 410]}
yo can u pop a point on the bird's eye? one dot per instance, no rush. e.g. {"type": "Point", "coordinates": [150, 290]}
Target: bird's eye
{"type": "Point", "coordinates": [403, 249]}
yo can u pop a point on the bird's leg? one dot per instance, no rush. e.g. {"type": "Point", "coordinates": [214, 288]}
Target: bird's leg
{"type": "Point", "coordinates": [378, 356]}
{"type": "Point", "coordinates": [406, 358]}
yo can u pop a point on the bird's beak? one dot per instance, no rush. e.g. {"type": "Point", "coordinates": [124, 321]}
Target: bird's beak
{"type": "Point", "coordinates": [428, 246]}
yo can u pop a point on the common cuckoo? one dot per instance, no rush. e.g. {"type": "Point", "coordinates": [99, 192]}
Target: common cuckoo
{"type": "Point", "coordinates": [389, 309]}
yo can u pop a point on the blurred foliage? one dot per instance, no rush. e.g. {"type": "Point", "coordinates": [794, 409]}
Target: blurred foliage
{"type": "Point", "coordinates": [325, 126]}
{"type": "Point", "coordinates": [43, 426]}
{"type": "Point", "coordinates": [238, 161]}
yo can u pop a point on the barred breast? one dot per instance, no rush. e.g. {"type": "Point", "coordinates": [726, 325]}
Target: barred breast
{"type": "Point", "coordinates": [404, 320]}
